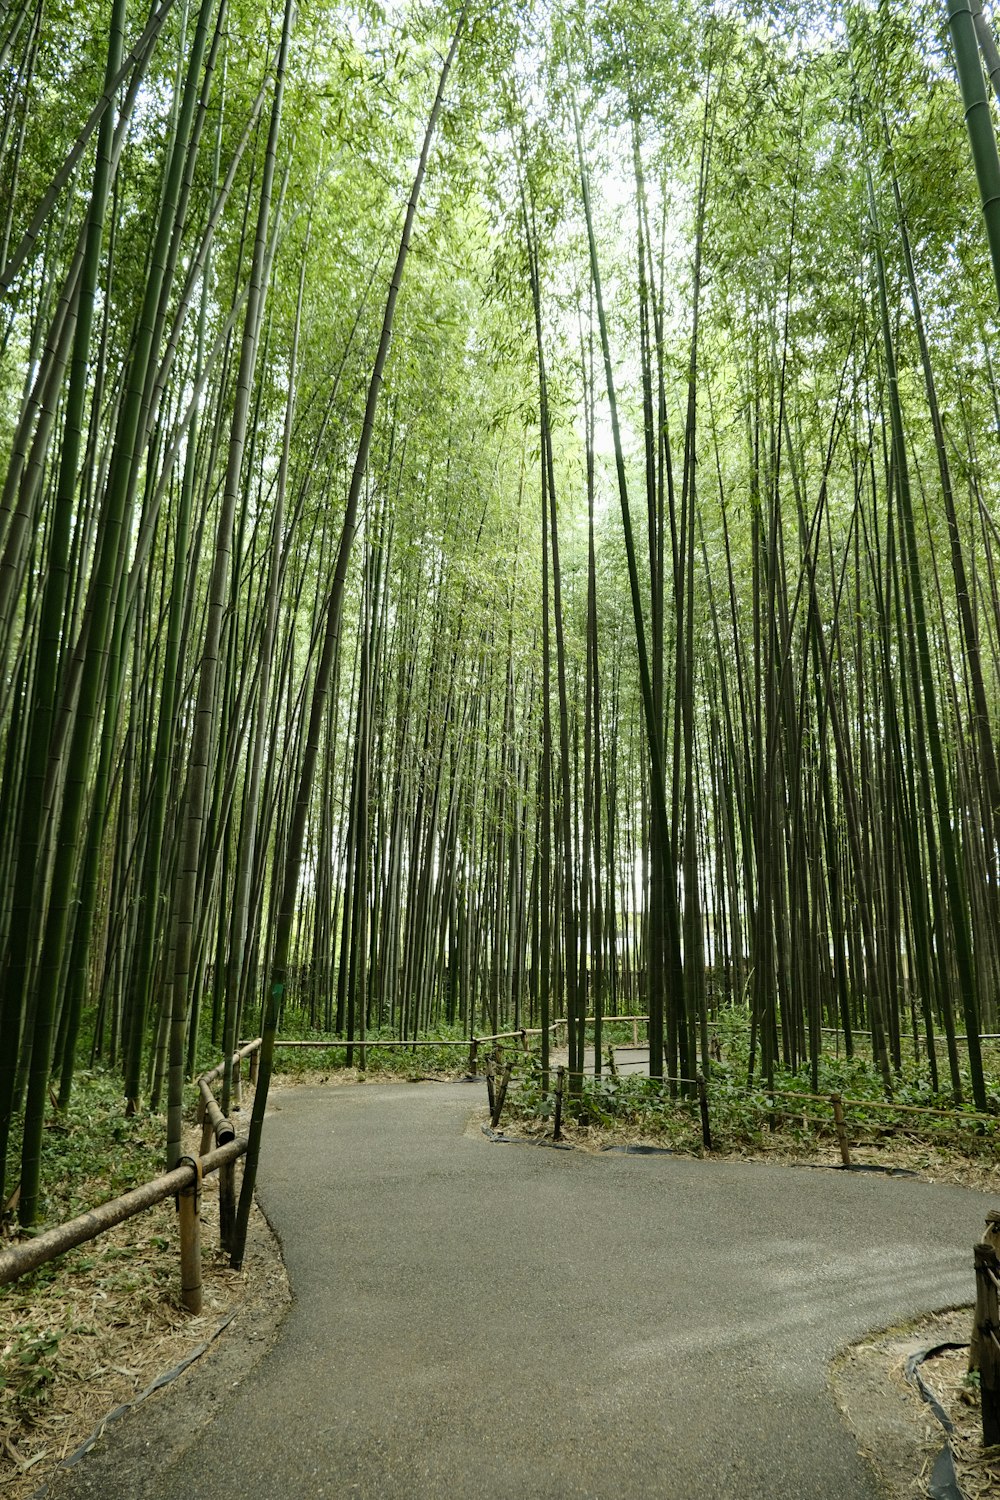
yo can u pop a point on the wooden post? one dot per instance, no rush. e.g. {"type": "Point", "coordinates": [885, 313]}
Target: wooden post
{"type": "Point", "coordinates": [237, 1095]}
{"type": "Point", "coordinates": [189, 1214]}
{"type": "Point", "coordinates": [560, 1081]}
{"type": "Point", "coordinates": [635, 1032]}
{"type": "Point", "coordinates": [254, 1066]}
{"type": "Point", "coordinates": [990, 1237]}
{"type": "Point", "coordinates": [473, 1057]}
{"type": "Point", "coordinates": [490, 1089]}
{"type": "Point", "coordinates": [207, 1136]}
{"type": "Point", "coordinates": [840, 1122]}
{"type": "Point", "coordinates": [987, 1329]}
{"type": "Point", "coordinates": [524, 1039]}
{"type": "Point", "coordinates": [501, 1095]}
{"type": "Point", "coordinates": [612, 1060]}
{"type": "Point", "coordinates": [706, 1126]}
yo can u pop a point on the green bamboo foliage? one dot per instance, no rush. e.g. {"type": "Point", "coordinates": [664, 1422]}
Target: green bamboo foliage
{"type": "Point", "coordinates": [624, 638]}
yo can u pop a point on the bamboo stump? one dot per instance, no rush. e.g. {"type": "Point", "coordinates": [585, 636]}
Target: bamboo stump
{"type": "Point", "coordinates": [227, 1204]}
{"type": "Point", "coordinates": [501, 1096]}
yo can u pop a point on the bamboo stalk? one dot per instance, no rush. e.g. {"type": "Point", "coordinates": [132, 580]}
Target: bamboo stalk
{"type": "Point", "coordinates": [706, 1126]}
{"type": "Point", "coordinates": [560, 1084]}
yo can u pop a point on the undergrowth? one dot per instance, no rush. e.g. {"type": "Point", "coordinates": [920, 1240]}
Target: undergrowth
{"type": "Point", "coordinates": [746, 1118]}
{"type": "Point", "coordinates": [92, 1152]}
{"type": "Point", "coordinates": [423, 1061]}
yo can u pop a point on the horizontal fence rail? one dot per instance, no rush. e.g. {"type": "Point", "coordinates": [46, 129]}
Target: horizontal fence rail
{"type": "Point", "coordinates": [183, 1183]}
{"type": "Point", "coordinates": [766, 1099]}
{"type": "Point", "coordinates": [16, 1260]}
{"type": "Point", "coordinates": [471, 1045]}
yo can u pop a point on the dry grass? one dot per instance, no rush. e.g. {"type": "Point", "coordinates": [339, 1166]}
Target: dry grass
{"type": "Point", "coordinates": [95, 1329]}
{"type": "Point", "coordinates": [978, 1467]}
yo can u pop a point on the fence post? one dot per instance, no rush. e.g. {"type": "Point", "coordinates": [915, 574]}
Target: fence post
{"type": "Point", "coordinates": [987, 1327]}
{"type": "Point", "coordinates": [991, 1236]}
{"type": "Point", "coordinates": [706, 1127]}
{"type": "Point", "coordinates": [612, 1060]}
{"type": "Point", "coordinates": [560, 1080]}
{"type": "Point", "coordinates": [840, 1122]}
{"type": "Point", "coordinates": [490, 1089]}
{"type": "Point", "coordinates": [254, 1065]}
{"type": "Point", "coordinates": [189, 1214]}
{"type": "Point", "coordinates": [501, 1095]}
{"type": "Point", "coordinates": [473, 1057]}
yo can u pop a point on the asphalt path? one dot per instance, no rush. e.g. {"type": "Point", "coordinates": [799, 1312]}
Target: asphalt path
{"type": "Point", "coordinates": [478, 1321]}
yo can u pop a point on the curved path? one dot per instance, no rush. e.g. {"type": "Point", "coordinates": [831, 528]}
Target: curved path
{"type": "Point", "coordinates": [475, 1321]}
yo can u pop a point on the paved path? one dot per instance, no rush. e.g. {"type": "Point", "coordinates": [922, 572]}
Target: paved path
{"type": "Point", "coordinates": [632, 1062]}
{"type": "Point", "coordinates": [474, 1321]}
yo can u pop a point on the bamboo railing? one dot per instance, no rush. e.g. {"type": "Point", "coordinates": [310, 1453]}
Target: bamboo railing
{"type": "Point", "coordinates": [985, 1354]}
{"type": "Point", "coordinates": [183, 1183]}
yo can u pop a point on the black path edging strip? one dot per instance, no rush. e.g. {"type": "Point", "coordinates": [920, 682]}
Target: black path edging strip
{"type": "Point", "coordinates": [639, 1150]}
{"type": "Point", "coordinates": [528, 1140]}
{"type": "Point", "coordinates": [943, 1484]}
{"type": "Point", "coordinates": [122, 1411]}
{"type": "Point", "coordinates": [829, 1166]}
{"type": "Point", "coordinates": [524, 1140]}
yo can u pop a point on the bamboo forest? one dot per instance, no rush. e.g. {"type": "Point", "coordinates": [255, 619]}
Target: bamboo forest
{"type": "Point", "coordinates": [499, 525]}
